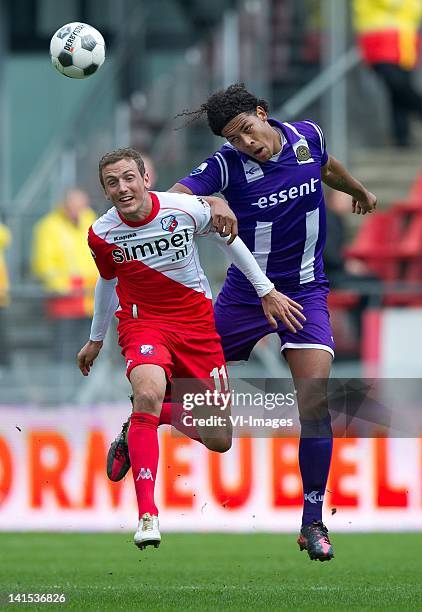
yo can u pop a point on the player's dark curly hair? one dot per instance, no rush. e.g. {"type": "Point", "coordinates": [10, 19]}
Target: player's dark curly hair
{"type": "Point", "coordinates": [225, 104]}
{"type": "Point", "coordinates": [118, 154]}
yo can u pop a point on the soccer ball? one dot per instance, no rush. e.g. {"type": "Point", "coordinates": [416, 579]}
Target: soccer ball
{"type": "Point", "coordinates": [77, 50]}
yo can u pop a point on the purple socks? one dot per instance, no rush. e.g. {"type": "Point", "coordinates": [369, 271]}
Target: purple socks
{"type": "Point", "coordinates": [315, 448]}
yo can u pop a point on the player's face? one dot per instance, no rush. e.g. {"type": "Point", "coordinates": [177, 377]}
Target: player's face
{"type": "Point", "coordinates": [253, 135]}
{"type": "Point", "coordinates": [126, 188]}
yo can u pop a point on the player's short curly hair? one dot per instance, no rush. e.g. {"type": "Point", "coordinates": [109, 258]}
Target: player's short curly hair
{"type": "Point", "coordinates": [118, 154]}
{"type": "Point", "coordinates": [225, 104]}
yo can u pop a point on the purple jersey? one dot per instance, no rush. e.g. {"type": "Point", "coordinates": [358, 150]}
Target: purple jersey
{"type": "Point", "coordinates": [279, 205]}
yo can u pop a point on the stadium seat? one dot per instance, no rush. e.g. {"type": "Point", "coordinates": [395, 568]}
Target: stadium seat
{"type": "Point", "coordinates": [413, 201]}
{"type": "Point", "coordinates": [409, 256]}
{"type": "Point", "coordinates": [390, 244]}
{"type": "Point", "coordinates": [410, 264]}
{"type": "Point", "coordinates": [342, 298]}
{"type": "Point", "coordinates": [376, 245]}
{"type": "Point", "coordinates": [410, 242]}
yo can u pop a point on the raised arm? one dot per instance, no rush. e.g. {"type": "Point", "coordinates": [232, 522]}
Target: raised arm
{"type": "Point", "coordinates": [179, 188]}
{"type": "Point", "coordinates": [223, 218]}
{"type": "Point", "coordinates": [335, 175]}
{"type": "Point", "coordinates": [274, 303]}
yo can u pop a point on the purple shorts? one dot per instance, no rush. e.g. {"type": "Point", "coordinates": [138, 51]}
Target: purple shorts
{"type": "Point", "coordinates": [242, 325]}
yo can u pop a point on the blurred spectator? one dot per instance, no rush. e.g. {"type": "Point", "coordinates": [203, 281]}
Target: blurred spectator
{"type": "Point", "coordinates": [387, 34]}
{"type": "Point", "coordinates": [346, 274]}
{"type": "Point", "coordinates": [5, 239]}
{"type": "Point", "coordinates": [62, 262]}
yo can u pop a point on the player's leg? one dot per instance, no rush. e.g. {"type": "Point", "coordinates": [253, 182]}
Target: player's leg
{"type": "Point", "coordinates": [240, 327]}
{"type": "Point", "coordinates": [200, 369]}
{"type": "Point", "coordinates": [118, 460]}
{"type": "Point", "coordinates": [139, 346]}
{"type": "Point", "coordinates": [149, 371]}
{"type": "Point", "coordinates": [309, 354]}
{"type": "Point", "coordinates": [193, 363]}
{"type": "Point", "coordinates": [310, 370]}
{"type": "Point", "coordinates": [149, 386]}
{"type": "Point", "coordinates": [217, 435]}
{"type": "Point", "coordinates": [174, 414]}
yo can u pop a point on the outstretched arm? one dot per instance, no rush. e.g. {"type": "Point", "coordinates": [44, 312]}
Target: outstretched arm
{"type": "Point", "coordinates": [105, 304]}
{"type": "Point", "coordinates": [335, 175]}
{"type": "Point", "coordinates": [274, 304]}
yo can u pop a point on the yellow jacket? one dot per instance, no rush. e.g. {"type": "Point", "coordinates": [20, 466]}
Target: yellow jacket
{"type": "Point", "coordinates": [387, 30]}
{"type": "Point", "coordinates": [63, 263]}
{"type": "Point", "coordinates": [5, 240]}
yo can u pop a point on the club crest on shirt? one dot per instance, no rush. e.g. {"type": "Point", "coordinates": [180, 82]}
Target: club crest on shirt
{"type": "Point", "coordinates": [147, 349]}
{"type": "Point", "coordinates": [303, 153]}
{"type": "Point", "coordinates": [169, 223]}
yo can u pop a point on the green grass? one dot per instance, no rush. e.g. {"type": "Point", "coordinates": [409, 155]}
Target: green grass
{"type": "Point", "coordinates": [213, 572]}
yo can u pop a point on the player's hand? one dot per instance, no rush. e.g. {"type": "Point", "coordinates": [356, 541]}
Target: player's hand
{"type": "Point", "coordinates": [223, 218]}
{"type": "Point", "coordinates": [368, 204]}
{"type": "Point", "coordinates": [87, 355]}
{"type": "Point", "coordinates": [279, 306]}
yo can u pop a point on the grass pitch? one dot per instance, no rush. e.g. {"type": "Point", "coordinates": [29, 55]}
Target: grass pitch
{"type": "Point", "coordinates": [212, 572]}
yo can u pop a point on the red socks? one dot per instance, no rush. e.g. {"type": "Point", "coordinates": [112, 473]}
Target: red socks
{"type": "Point", "coordinates": [143, 451]}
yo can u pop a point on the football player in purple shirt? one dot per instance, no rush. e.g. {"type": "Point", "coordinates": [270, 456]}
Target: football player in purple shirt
{"type": "Point", "coordinates": [271, 174]}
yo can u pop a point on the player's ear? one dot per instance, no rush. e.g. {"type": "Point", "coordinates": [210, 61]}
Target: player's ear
{"type": "Point", "coordinates": [147, 180]}
{"type": "Point", "coordinates": [261, 113]}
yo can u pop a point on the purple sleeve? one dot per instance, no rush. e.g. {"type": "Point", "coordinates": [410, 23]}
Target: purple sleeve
{"type": "Point", "coordinates": [324, 158]}
{"type": "Point", "coordinates": [315, 134]}
{"type": "Point", "coordinates": [207, 178]}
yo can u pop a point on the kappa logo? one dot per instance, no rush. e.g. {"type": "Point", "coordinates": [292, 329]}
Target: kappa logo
{"type": "Point", "coordinates": [147, 349]}
{"type": "Point", "coordinates": [313, 497]}
{"type": "Point", "coordinates": [145, 474]}
{"type": "Point", "coordinates": [169, 223]}
{"type": "Point", "coordinates": [129, 361]}
{"type": "Point", "coordinates": [124, 236]}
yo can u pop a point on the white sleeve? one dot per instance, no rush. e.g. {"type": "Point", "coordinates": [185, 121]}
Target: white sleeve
{"type": "Point", "coordinates": [105, 305]}
{"type": "Point", "coordinates": [240, 255]}
{"type": "Point", "coordinates": [200, 211]}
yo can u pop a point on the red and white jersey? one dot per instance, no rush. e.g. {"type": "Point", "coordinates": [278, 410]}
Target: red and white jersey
{"type": "Point", "coordinates": [156, 260]}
